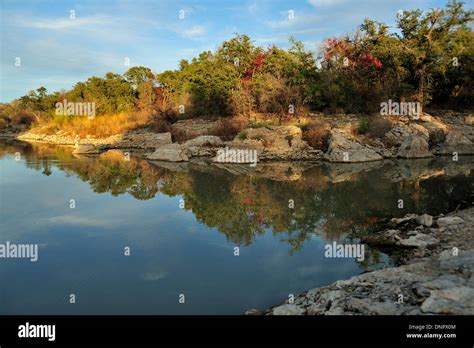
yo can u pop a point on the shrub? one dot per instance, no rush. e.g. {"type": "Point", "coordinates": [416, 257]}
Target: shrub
{"type": "Point", "coordinates": [159, 125]}
{"type": "Point", "coordinates": [379, 126]}
{"type": "Point", "coordinates": [437, 137]}
{"type": "Point", "coordinates": [227, 129]}
{"type": "Point", "coordinates": [242, 135]}
{"type": "Point", "coordinates": [178, 135]}
{"type": "Point", "coordinates": [260, 124]}
{"type": "Point", "coordinates": [317, 138]}
{"type": "Point", "coordinates": [363, 125]}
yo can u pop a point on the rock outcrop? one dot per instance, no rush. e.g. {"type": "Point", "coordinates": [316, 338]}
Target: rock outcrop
{"type": "Point", "coordinates": [343, 149]}
{"type": "Point", "coordinates": [441, 284]}
{"type": "Point", "coordinates": [170, 152]}
{"type": "Point", "coordinates": [456, 142]}
{"type": "Point", "coordinates": [437, 279]}
{"type": "Point", "coordinates": [414, 147]}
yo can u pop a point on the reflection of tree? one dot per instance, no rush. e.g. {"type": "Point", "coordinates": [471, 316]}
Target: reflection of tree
{"type": "Point", "coordinates": [245, 206]}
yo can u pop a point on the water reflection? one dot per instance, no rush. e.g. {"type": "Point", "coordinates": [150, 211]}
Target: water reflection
{"type": "Point", "coordinates": [296, 200]}
{"type": "Point", "coordinates": [136, 203]}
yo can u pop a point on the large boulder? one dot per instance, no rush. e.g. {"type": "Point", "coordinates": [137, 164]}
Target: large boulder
{"type": "Point", "coordinates": [457, 142]}
{"type": "Point", "coordinates": [170, 152]}
{"type": "Point", "coordinates": [274, 138]}
{"type": "Point", "coordinates": [343, 149]}
{"type": "Point", "coordinates": [414, 146]}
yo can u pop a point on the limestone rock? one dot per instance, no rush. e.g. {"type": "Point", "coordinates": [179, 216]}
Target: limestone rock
{"type": "Point", "coordinates": [457, 300]}
{"type": "Point", "coordinates": [456, 141]}
{"type": "Point", "coordinates": [171, 152]}
{"type": "Point", "coordinates": [425, 220]}
{"type": "Point", "coordinates": [288, 309]}
{"type": "Point", "coordinates": [414, 147]}
{"type": "Point", "coordinates": [449, 220]}
{"type": "Point", "coordinates": [205, 140]}
{"type": "Point", "coordinates": [343, 149]}
{"type": "Point", "coordinates": [419, 240]}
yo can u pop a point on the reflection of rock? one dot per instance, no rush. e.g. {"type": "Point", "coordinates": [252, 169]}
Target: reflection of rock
{"type": "Point", "coordinates": [115, 154]}
{"type": "Point", "coordinates": [338, 172]}
{"type": "Point", "coordinates": [86, 149]}
{"type": "Point", "coordinates": [343, 149]}
{"type": "Point", "coordinates": [173, 166]}
{"type": "Point", "coordinates": [171, 152]}
{"type": "Point", "coordinates": [278, 171]}
{"type": "Point", "coordinates": [413, 169]}
{"type": "Point", "coordinates": [414, 147]}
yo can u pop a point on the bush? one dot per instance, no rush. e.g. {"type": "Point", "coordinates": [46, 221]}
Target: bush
{"type": "Point", "coordinates": [317, 138]}
{"type": "Point", "coordinates": [379, 126]}
{"type": "Point", "coordinates": [159, 125]}
{"type": "Point", "coordinates": [242, 135]}
{"type": "Point", "coordinates": [363, 125]}
{"type": "Point", "coordinates": [437, 137]}
{"type": "Point", "coordinates": [260, 124]}
{"type": "Point", "coordinates": [227, 129]}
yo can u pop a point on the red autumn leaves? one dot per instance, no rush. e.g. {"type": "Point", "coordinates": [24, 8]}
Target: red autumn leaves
{"type": "Point", "coordinates": [339, 49]}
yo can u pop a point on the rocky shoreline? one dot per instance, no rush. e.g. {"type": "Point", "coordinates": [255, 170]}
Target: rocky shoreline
{"type": "Point", "coordinates": [406, 139]}
{"type": "Point", "coordinates": [436, 277]}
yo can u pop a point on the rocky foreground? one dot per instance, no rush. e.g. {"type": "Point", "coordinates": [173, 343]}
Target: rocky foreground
{"type": "Point", "coordinates": [438, 277]}
{"type": "Point", "coordinates": [406, 139]}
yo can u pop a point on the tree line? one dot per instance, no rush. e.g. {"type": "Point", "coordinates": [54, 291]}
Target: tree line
{"type": "Point", "coordinates": [427, 58]}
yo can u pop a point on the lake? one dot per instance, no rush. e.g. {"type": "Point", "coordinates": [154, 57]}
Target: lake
{"type": "Point", "coordinates": [132, 236]}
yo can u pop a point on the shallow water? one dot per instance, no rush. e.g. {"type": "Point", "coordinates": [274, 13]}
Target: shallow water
{"type": "Point", "coordinates": [190, 250]}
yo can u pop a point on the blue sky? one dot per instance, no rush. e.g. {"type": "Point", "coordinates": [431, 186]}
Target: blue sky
{"type": "Point", "coordinates": [57, 51]}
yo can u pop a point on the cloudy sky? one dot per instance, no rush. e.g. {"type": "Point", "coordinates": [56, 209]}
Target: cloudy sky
{"type": "Point", "coordinates": [56, 51]}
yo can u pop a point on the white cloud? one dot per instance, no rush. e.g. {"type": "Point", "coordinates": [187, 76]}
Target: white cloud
{"type": "Point", "coordinates": [62, 24]}
{"type": "Point", "coordinates": [194, 31]}
{"type": "Point", "coordinates": [317, 3]}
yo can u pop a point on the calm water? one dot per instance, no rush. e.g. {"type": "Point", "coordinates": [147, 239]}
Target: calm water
{"type": "Point", "coordinates": [190, 251]}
